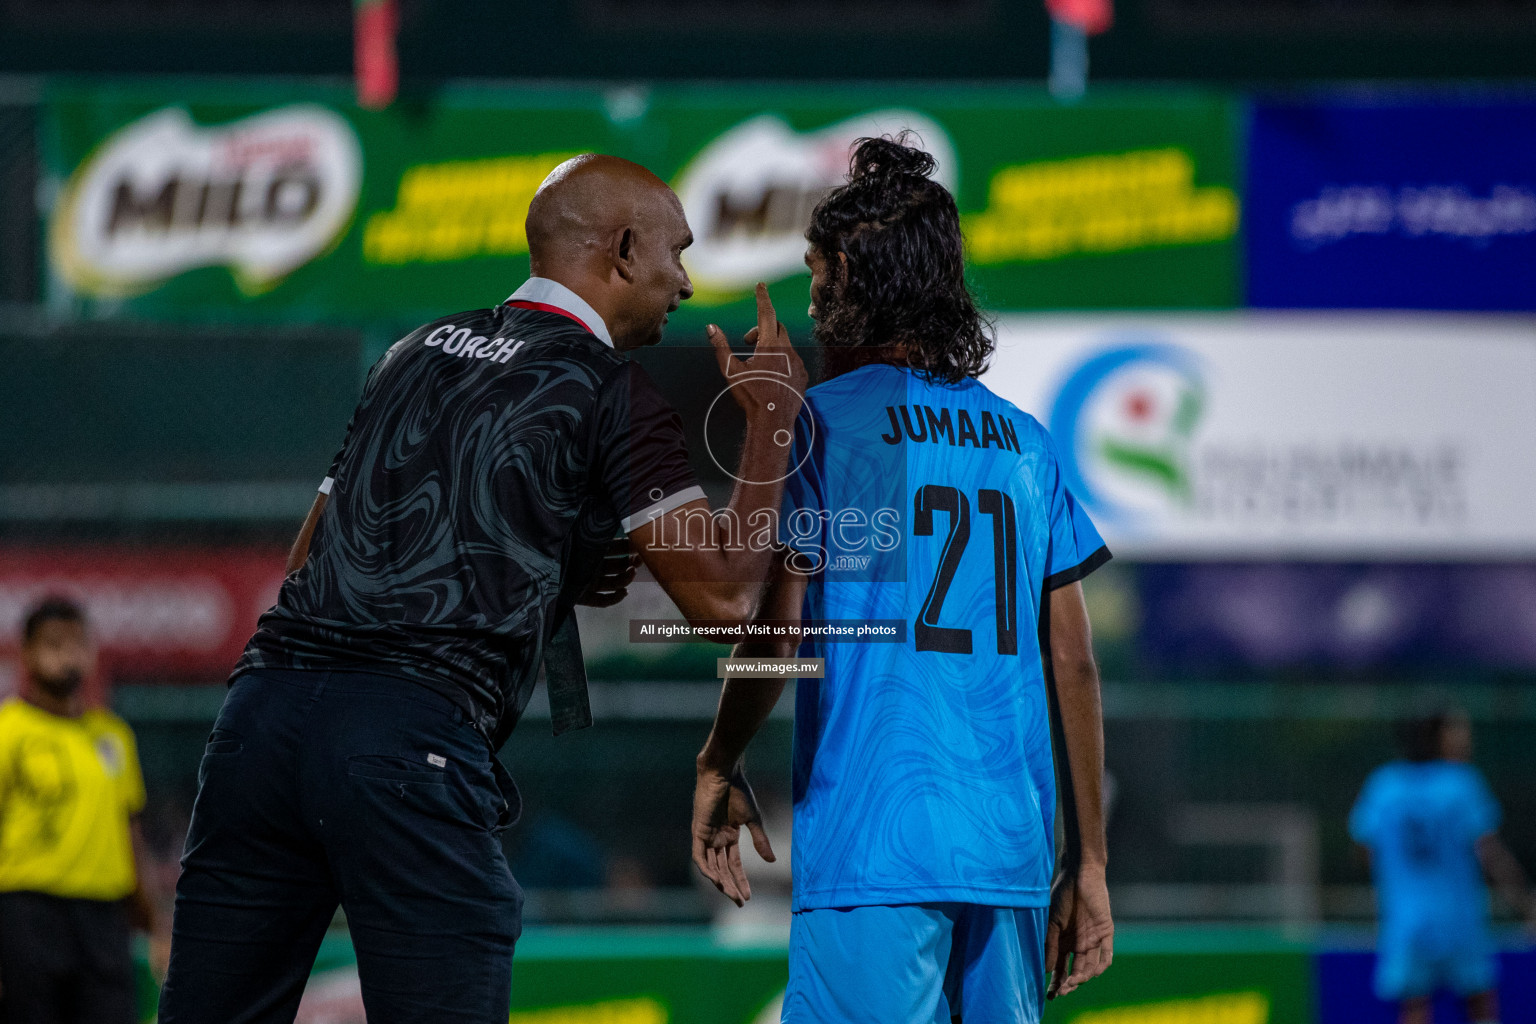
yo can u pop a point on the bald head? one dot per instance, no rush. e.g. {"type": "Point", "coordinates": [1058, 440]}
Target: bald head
{"type": "Point", "coordinates": [614, 233]}
{"type": "Point", "coordinates": [585, 200]}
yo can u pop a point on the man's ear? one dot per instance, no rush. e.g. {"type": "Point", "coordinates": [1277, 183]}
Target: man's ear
{"type": "Point", "coordinates": [621, 252]}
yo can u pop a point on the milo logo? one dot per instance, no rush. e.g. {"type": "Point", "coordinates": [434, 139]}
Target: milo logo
{"type": "Point", "coordinates": [263, 196]}
{"type": "Point", "coordinates": [749, 193]}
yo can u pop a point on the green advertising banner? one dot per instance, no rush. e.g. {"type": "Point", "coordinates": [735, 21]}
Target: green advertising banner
{"type": "Point", "coordinates": [286, 203]}
{"type": "Point", "coordinates": [684, 975]}
{"type": "Point", "coordinates": [1196, 975]}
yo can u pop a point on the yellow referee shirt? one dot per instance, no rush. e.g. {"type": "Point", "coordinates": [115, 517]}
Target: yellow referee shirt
{"type": "Point", "coordinates": [67, 789]}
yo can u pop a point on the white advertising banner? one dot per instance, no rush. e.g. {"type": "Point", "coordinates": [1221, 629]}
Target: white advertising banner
{"type": "Point", "coordinates": [1256, 435]}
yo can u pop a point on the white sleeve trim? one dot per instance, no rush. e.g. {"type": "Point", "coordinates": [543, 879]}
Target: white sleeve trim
{"type": "Point", "coordinates": [662, 507]}
{"type": "Point", "coordinates": [325, 485]}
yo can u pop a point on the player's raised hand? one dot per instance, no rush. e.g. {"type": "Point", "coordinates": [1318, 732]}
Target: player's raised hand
{"type": "Point", "coordinates": [1080, 934]}
{"type": "Point", "coordinates": [722, 806]}
{"type": "Point", "coordinates": [772, 382]}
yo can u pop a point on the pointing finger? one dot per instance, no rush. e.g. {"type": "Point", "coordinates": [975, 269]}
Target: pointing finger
{"type": "Point", "coordinates": [767, 319]}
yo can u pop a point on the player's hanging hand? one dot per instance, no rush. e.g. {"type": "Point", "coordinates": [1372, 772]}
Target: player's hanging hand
{"type": "Point", "coordinates": [722, 806]}
{"type": "Point", "coordinates": [771, 384]}
{"type": "Point", "coordinates": [614, 575]}
{"type": "Point", "coordinates": [1080, 934]}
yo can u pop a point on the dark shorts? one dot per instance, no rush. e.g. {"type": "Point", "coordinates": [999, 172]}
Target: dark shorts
{"type": "Point", "coordinates": [319, 788]}
{"type": "Point", "coordinates": [64, 961]}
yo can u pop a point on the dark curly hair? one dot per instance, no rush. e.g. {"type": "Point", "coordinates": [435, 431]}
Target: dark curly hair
{"type": "Point", "coordinates": [902, 297]}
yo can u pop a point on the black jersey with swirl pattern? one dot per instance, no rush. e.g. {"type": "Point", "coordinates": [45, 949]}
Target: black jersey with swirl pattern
{"type": "Point", "coordinates": [493, 456]}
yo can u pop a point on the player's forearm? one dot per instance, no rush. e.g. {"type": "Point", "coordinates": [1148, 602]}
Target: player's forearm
{"type": "Point", "coordinates": [719, 576]}
{"type": "Point", "coordinates": [782, 603]}
{"type": "Point", "coordinates": [766, 648]}
{"type": "Point", "coordinates": [745, 705]}
{"type": "Point", "coordinates": [299, 553]}
{"type": "Point", "coordinates": [1082, 728]}
{"type": "Point", "coordinates": [1508, 878]}
{"type": "Point", "coordinates": [762, 458]}
{"type": "Point", "coordinates": [1077, 724]}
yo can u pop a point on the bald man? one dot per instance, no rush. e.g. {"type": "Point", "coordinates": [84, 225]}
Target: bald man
{"type": "Point", "coordinates": [494, 457]}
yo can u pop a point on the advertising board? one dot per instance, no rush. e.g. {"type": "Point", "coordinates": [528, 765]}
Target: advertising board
{"type": "Point", "coordinates": [284, 202]}
{"type": "Point", "coordinates": [1392, 203]}
{"type": "Point", "coordinates": [154, 613]}
{"type": "Point", "coordinates": [1288, 435]}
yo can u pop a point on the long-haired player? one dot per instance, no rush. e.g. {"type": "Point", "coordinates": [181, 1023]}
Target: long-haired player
{"type": "Point", "coordinates": [924, 784]}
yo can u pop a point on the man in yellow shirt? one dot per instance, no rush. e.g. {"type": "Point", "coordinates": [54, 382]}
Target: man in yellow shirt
{"type": "Point", "coordinates": [70, 791]}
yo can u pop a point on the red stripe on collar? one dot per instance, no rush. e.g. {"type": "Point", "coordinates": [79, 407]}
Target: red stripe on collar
{"type": "Point", "coordinates": [544, 307]}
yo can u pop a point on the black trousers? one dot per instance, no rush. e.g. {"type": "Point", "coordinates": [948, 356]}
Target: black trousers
{"type": "Point", "coordinates": [64, 961]}
{"type": "Point", "coordinates": [319, 788]}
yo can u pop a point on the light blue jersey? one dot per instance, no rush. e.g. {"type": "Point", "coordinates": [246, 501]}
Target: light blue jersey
{"type": "Point", "coordinates": [923, 769]}
{"type": "Point", "coordinates": [1421, 822]}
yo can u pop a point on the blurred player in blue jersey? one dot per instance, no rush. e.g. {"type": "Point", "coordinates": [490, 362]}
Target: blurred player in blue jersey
{"type": "Point", "coordinates": [1430, 826]}
{"type": "Point", "coordinates": [924, 783]}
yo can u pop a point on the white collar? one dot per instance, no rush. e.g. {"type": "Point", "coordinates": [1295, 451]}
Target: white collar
{"type": "Point", "coordinates": [552, 293]}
